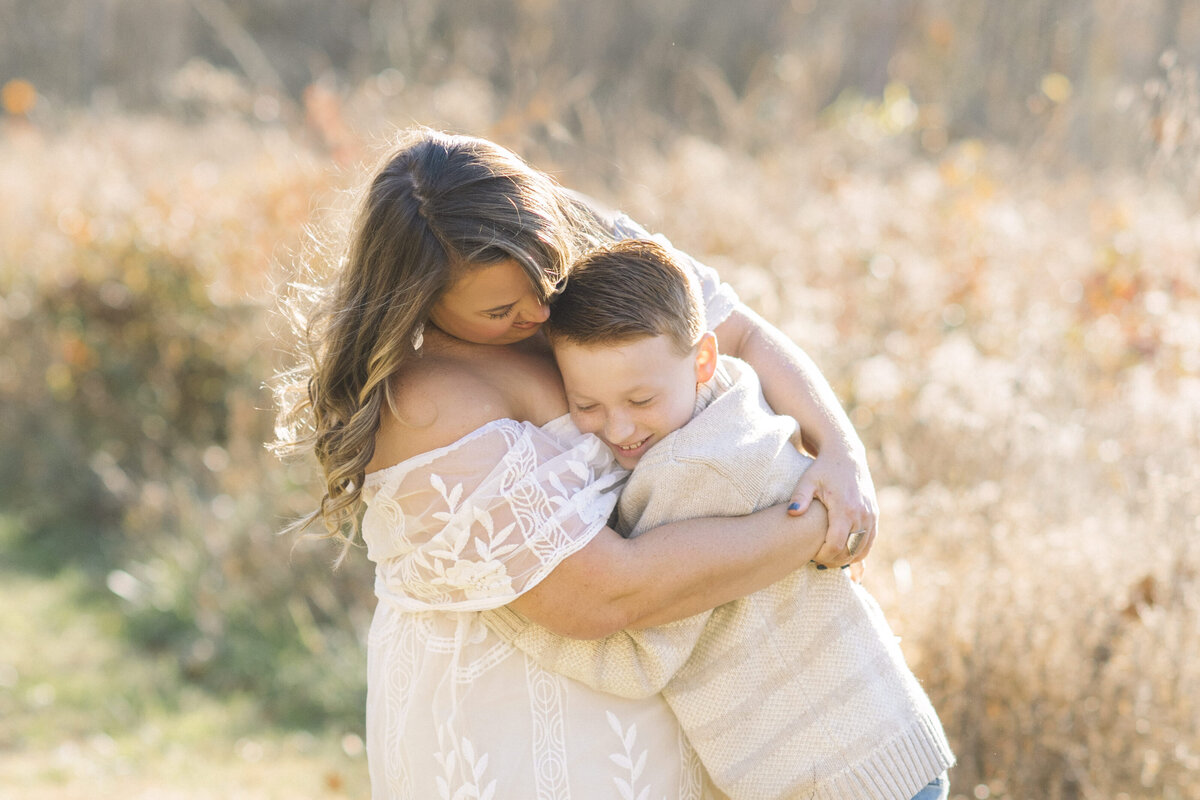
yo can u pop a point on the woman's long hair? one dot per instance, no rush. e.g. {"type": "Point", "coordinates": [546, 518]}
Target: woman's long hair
{"type": "Point", "coordinates": [439, 205]}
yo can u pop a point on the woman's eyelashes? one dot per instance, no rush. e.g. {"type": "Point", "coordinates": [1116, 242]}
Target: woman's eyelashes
{"type": "Point", "coordinates": [500, 314]}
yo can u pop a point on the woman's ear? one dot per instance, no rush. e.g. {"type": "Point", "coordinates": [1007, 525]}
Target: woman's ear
{"type": "Point", "coordinates": [706, 357]}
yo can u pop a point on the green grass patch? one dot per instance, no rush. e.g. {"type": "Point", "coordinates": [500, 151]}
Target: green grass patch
{"type": "Point", "coordinates": [85, 713]}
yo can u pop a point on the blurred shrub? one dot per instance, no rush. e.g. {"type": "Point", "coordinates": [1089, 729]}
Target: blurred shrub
{"type": "Point", "coordinates": [125, 370]}
{"type": "Point", "coordinates": [133, 412]}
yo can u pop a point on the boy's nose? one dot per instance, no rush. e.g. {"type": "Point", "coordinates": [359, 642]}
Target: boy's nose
{"type": "Point", "coordinates": [618, 428]}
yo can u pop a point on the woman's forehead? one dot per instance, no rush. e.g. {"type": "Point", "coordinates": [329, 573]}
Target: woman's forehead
{"type": "Point", "coordinates": [501, 281]}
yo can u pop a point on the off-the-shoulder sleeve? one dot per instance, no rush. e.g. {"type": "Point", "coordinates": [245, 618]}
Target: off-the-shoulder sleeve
{"type": "Point", "coordinates": [476, 524]}
{"type": "Point", "coordinates": [719, 297]}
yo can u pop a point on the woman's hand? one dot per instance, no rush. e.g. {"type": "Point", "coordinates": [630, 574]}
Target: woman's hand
{"type": "Point", "coordinates": [841, 481]}
{"type": "Point", "coordinates": [839, 477]}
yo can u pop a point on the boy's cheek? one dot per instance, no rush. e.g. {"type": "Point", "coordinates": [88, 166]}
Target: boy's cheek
{"type": "Point", "coordinates": [586, 423]}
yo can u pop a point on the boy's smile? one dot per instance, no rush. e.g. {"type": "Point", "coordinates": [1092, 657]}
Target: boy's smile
{"type": "Point", "coordinates": [634, 393]}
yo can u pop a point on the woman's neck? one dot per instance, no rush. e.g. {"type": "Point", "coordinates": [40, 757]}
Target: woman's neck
{"type": "Point", "coordinates": [523, 372]}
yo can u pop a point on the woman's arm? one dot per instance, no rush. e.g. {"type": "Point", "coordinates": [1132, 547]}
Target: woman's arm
{"type": "Point", "coordinates": [793, 385]}
{"type": "Point", "coordinates": [609, 584]}
{"type": "Point", "coordinates": [671, 572]}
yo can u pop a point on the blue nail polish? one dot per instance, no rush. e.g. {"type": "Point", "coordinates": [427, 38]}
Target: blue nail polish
{"type": "Point", "coordinates": [794, 507]}
{"type": "Point", "coordinates": [821, 566]}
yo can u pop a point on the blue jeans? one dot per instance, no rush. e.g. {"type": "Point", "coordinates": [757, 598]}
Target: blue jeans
{"type": "Point", "coordinates": [938, 789]}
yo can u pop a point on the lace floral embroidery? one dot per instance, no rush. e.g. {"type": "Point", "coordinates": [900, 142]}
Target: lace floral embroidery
{"type": "Point", "coordinates": [449, 535]}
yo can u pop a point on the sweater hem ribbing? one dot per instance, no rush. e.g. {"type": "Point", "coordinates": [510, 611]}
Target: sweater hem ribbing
{"type": "Point", "coordinates": [896, 770]}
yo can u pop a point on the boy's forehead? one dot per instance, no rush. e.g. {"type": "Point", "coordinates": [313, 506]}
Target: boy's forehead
{"type": "Point", "coordinates": [633, 351]}
{"type": "Point", "coordinates": [603, 365]}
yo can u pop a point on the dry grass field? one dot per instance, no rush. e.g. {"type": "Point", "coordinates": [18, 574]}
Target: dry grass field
{"type": "Point", "coordinates": [1017, 338]}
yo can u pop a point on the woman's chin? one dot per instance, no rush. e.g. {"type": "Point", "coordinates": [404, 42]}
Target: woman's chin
{"type": "Point", "coordinates": [512, 335]}
{"type": "Point", "coordinates": [525, 331]}
{"type": "Point", "coordinates": [518, 334]}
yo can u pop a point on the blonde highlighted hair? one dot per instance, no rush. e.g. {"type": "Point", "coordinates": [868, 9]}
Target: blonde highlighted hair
{"type": "Point", "coordinates": [439, 205]}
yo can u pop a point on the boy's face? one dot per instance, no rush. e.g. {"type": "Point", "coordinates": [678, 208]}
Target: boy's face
{"type": "Point", "coordinates": [633, 394]}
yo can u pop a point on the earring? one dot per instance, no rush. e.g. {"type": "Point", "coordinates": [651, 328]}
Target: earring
{"type": "Point", "coordinates": [418, 336]}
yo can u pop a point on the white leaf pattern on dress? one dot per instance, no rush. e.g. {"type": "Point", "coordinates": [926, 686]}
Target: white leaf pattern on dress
{"type": "Point", "coordinates": [450, 539]}
{"type": "Point", "coordinates": [557, 487]}
{"type": "Point", "coordinates": [626, 760]}
{"type": "Point", "coordinates": [462, 771]}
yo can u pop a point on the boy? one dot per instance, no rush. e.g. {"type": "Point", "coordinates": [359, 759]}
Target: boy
{"type": "Point", "coordinates": [798, 690]}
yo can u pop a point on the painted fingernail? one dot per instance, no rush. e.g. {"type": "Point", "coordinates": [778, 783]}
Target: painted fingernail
{"type": "Point", "coordinates": [794, 507]}
{"type": "Point", "coordinates": [821, 566]}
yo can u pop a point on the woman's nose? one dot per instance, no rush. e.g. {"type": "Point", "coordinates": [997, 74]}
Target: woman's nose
{"type": "Point", "coordinates": [537, 312]}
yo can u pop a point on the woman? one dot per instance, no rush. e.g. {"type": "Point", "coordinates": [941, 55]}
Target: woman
{"type": "Point", "coordinates": [432, 399]}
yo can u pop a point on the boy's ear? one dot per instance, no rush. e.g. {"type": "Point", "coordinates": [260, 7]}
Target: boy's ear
{"type": "Point", "coordinates": [706, 357]}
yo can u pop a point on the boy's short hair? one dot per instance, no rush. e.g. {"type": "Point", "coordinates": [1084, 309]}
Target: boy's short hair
{"type": "Point", "coordinates": [627, 290]}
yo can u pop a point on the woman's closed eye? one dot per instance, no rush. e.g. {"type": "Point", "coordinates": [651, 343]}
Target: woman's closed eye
{"type": "Point", "coordinates": [500, 314]}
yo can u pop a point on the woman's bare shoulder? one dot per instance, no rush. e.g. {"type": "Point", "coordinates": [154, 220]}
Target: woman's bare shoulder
{"type": "Point", "coordinates": [436, 404]}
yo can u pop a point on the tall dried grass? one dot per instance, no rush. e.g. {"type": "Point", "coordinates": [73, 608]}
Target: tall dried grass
{"type": "Point", "coordinates": [1018, 343]}
{"type": "Point", "coordinates": [1022, 356]}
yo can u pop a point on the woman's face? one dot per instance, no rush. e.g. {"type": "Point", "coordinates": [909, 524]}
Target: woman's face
{"type": "Point", "coordinates": [492, 304]}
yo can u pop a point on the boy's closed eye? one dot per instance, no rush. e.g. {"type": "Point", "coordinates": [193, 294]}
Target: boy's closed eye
{"type": "Point", "coordinates": [585, 408]}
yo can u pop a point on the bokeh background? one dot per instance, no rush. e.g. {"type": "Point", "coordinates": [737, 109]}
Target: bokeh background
{"type": "Point", "coordinates": [978, 217]}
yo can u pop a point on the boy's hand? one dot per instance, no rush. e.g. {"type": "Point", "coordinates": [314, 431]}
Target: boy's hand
{"type": "Point", "coordinates": [843, 483]}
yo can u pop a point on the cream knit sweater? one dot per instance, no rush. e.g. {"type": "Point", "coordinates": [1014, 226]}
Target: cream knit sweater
{"type": "Point", "coordinates": [796, 691]}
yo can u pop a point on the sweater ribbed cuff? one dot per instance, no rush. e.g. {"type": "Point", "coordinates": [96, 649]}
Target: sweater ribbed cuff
{"type": "Point", "coordinates": [505, 622]}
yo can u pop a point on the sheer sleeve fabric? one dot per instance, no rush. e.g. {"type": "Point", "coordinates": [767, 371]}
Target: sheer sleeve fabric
{"type": "Point", "coordinates": [474, 525]}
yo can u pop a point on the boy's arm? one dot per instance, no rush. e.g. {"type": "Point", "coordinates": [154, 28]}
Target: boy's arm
{"type": "Point", "coordinates": [640, 661]}
{"type": "Point", "coordinates": [792, 384]}
{"type": "Point", "coordinates": [637, 662]}
{"type": "Point", "coordinates": [633, 663]}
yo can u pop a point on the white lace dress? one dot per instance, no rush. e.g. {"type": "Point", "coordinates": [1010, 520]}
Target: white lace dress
{"type": "Point", "coordinates": [453, 711]}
